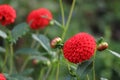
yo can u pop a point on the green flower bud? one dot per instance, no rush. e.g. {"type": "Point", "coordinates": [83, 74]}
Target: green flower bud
{"type": "Point", "coordinates": [102, 46]}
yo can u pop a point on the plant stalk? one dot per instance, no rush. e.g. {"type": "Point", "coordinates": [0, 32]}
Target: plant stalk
{"type": "Point", "coordinates": [11, 58]}
{"type": "Point", "coordinates": [6, 55]}
{"type": "Point", "coordinates": [62, 13]}
{"type": "Point", "coordinates": [94, 78]}
{"type": "Point", "coordinates": [58, 65]}
{"type": "Point", "coordinates": [69, 19]}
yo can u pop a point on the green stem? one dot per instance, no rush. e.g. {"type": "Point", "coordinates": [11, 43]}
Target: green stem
{"type": "Point", "coordinates": [94, 68]}
{"type": "Point", "coordinates": [11, 58]}
{"type": "Point", "coordinates": [58, 65]}
{"type": "Point", "coordinates": [41, 74]}
{"type": "Point", "coordinates": [88, 77]}
{"type": "Point", "coordinates": [48, 72]}
{"type": "Point", "coordinates": [62, 12]}
{"type": "Point", "coordinates": [69, 19]}
{"type": "Point", "coordinates": [67, 24]}
{"type": "Point", "coordinates": [58, 24]}
{"type": "Point", "coordinates": [24, 64]}
{"type": "Point", "coordinates": [6, 55]}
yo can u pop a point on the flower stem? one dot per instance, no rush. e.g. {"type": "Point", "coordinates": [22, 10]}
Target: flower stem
{"type": "Point", "coordinates": [69, 19]}
{"type": "Point", "coordinates": [94, 68]}
{"type": "Point", "coordinates": [67, 25]}
{"type": "Point", "coordinates": [58, 24]}
{"type": "Point", "coordinates": [11, 58]}
{"type": "Point", "coordinates": [88, 77]}
{"type": "Point", "coordinates": [47, 73]}
{"type": "Point", "coordinates": [41, 74]}
{"type": "Point", "coordinates": [58, 65]}
{"type": "Point", "coordinates": [24, 64]}
{"type": "Point", "coordinates": [62, 12]}
{"type": "Point", "coordinates": [57, 74]}
{"type": "Point", "coordinates": [6, 55]}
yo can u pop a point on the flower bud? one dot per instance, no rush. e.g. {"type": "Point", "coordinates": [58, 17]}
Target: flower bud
{"type": "Point", "coordinates": [48, 63]}
{"type": "Point", "coordinates": [102, 46]}
{"type": "Point", "coordinates": [56, 41]}
{"type": "Point", "coordinates": [52, 22]}
{"type": "Point", "coordinates": [35, 61]}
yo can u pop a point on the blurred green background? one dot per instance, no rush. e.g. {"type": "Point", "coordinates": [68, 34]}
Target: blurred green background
{"type": "Point", "coordinates": [101, 18]}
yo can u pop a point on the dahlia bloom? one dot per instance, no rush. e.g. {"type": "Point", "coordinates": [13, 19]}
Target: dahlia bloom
{"type": "Point", "coordinates": [39, 18]}
{"type": "Point", "coordinates": [79, 48]}
{"type": "Point", "coordinates": [7, 14]}
{"type": "Point", "coordinates": [2, 77]}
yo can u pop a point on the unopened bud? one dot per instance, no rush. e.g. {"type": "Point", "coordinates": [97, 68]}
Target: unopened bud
{"type": "Point", "coordinates": [52, 22]}
{"type": "Point", "coordinates": [102, 46]}
{"type": "Point", "coordinates": [35, 61]}
{"type": "Point", "coordinates": [56, 41]}
{"type": "Point", "coordinates": [48, 63]}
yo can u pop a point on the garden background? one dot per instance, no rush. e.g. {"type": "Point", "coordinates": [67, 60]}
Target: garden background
{"type": "Point", "coordinates": [101, 18]}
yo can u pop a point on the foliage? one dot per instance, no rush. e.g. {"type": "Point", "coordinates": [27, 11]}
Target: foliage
{"type": "Point", "coordinates": [98, 17]}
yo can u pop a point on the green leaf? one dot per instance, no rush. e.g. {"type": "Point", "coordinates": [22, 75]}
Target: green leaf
{"type": "Point", "coordinates": [20, 77]}
{"type": "Point", "coordinates": [17, 77]}
{"type": "Point", "coordinates": [19, 30]}
{"type": "Point", "coordinates": [3, 34]}
{"type": "Point", "coordinates": [43, 40]}
{"type": "Point", "coordinates": [27, 51]}
{"type": "Point", "coordinates": [83, 69]}
{"type": "Point", "coordinates": [9, 77]}
{"type": "Point", "coordinates": [12, 78]}
{"type": "Point", "coordinates": [65, 74]}
{"type": "Point", "coordinates": [27, 72]}
{"type": "Point", "coordinates": [114, 53]}
{"type": "Point", "coordinates": [2, 49]}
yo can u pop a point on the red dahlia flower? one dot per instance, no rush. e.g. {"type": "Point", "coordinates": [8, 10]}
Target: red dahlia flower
{"type": "Point", "coordinates": [7, 14]}
{"type": "Point", "coordinates": [79, 48]}
{"type": "Point", "coordinates": [39, 18]}
{"type": "Point", "coordinates": [2, 77]}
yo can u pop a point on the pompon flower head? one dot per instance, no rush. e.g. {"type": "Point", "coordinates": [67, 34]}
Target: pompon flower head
{"type": "Point", "coordinates": [79, 48]}
{"type": "Point", "coordinates": [39, 18]}
{"type": "Point", "coordinates": [7, 14]}
{"type": "Point", "coordinates": [2, 77]}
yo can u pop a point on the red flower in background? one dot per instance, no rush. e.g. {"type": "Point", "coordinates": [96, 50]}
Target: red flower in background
{"type": "Point", "coordinates": [79, 48]}
{"type": "Point", "coordinates": [39, 18]}
{"type": "Point", "coordinates": [7, 14]}
{"type": "Point", "coordinates": [2, 77]}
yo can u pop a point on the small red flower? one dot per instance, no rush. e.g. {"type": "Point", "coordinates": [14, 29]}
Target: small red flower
{"type": "Point", "coordinates": [2, 77]}
{"type": "Point", "coordinates": [39, 18]}
{"type": "Point", "coordinates": [79, 48]}
{"type": "Point", "coordinates": [7, 14]}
